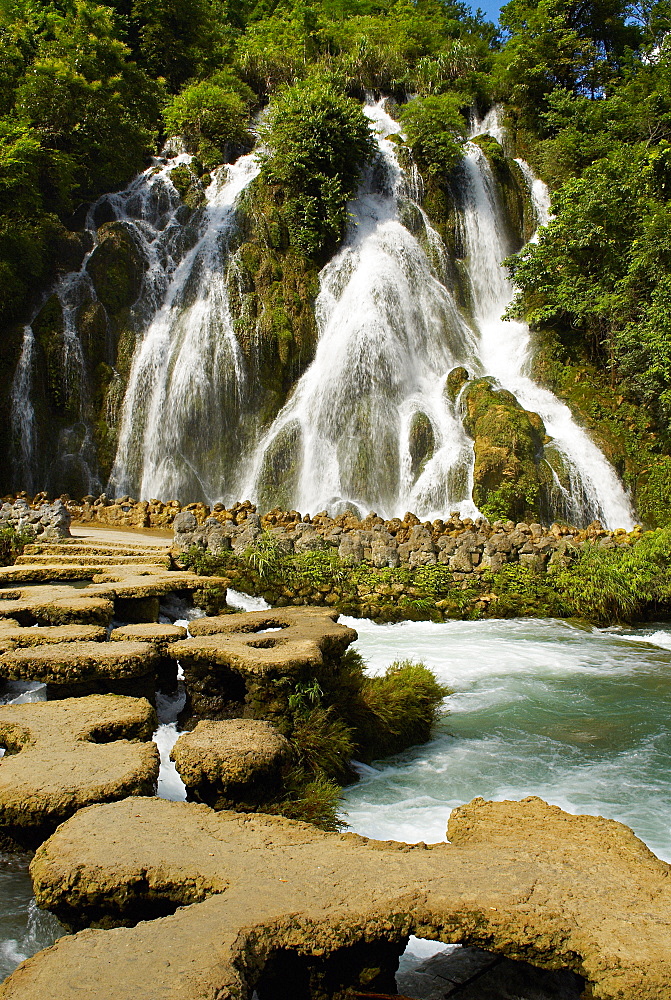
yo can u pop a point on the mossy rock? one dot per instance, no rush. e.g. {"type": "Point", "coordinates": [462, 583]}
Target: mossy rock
{"type": "Point", "coordinates": [93, 329]}
{"type": "Point", "coordinates": [512, 188]}
{"type": "Point", "coordinates": [62, 388]}
{"type": "Point", "coordinates": [511, 477]}
{"type": "Point", "coordinates": [117, 266]}
{"type": "Point", "coordinates": [454, 383]}
{"type": "Point", "coordinates": [422, 442]}
{"type": "Point", "coordinates": [188, 185]}
{"type": "Point", "coordinates": [281, 468]}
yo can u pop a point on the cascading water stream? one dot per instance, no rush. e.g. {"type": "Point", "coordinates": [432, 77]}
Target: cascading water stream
{"type": "Point", "coordinates": [389, 333]}
{"type": "Point", "coordinates": [504, 349]}
{"type": "Point", "coordinates": [182, 407]}
{"type": "Point", "coordinates": [23, 412]}
{"type": "Point", "coordinates": [148, 208]}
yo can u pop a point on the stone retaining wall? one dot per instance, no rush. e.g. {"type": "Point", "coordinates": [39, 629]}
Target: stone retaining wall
{"type": "Point", "coordinates": [466, 547]}
{"type": "Point", "coordinates": [41, 519]}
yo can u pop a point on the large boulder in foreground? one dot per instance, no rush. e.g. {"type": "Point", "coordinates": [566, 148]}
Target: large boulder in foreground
{"type": "Point", "coordinates": [523, 879]}
{"type": "Point", "coordinates": [67, 754]}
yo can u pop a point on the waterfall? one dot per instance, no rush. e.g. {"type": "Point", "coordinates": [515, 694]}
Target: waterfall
{"type": "Point", "coordinates": [539, 194]}
{"type": "Point", "coordinates": [149, 208]}
{"type": "Point", "coordinates": [23, 412]}
{"type": "Point", "coordinates": [389, 333]}
{"type": "Point", "coordinates": [504, 349]}
{"type": "Point", "coordinates": [182, 406]}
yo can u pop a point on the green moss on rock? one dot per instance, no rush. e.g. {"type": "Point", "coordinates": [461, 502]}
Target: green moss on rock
{"type": "Point", "coordinates": [511, 478]}
{"type": "Point", "coordinates": [117, 266]}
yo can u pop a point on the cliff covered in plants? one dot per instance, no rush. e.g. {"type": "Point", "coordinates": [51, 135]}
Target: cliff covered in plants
{"type": "Point", "coordinates": [88, 93]}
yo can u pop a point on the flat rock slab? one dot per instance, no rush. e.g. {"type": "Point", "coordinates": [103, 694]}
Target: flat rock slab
{"type": "Point", "coordinates": [67, 754]}
{"type": "Point", "coordinates": [54, 605]}
{"type": "Point", "coordinates": [13, 636]}
{"type": "Point", "coordinates": [523, 879]}
{"type": "Point", "coordinates": [279, 641]}
{"type": "Point", "coordinates": [233, 763]}
{"type": "Point", "coordinates": [79, 662]}
{"type": "Point", "coordinates": [158, 634]}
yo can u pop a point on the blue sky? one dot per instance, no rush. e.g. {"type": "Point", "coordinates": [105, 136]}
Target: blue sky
{"type": "Point", "coordinates": [489, 8]}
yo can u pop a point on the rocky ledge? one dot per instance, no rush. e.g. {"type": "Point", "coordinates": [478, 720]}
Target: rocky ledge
{"type": "Point", "coordinates": [67, 754]}
{"type": "Point", "coordinates": [259, 895]}
{"type": "Point", "coordinates": [235, 764]}
{"type": "Point", "coordinates": [248, 664]}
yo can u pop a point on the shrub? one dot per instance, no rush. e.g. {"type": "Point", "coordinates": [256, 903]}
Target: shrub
{"type": "Point", "coordinates": [209, 117]}
{"type": "Point", "coordinates": [436, 130]}
{"type": "Point", "coordinates": [397, 710]}
{"type": "Point", "coordinates": [315, 801]}
{"type": "Point", "coordinates": [323, 744]}
{"type": "Point", "coordinates": [12, 544]}
{"type": "Point", "coordinates": [618, 584]}
{"type": "Point", "coordinates": [317, 142]}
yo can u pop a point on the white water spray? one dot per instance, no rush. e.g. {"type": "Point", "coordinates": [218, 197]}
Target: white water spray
{"type": "Point", "coordinates": [505, 349]}
{"type": "Point", "coordinates": [182, 405]}
{"type": "Point", "coordinates": [389, 333]}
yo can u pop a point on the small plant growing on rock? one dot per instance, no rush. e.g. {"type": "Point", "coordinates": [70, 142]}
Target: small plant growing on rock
{"type": "Point", "coordinates": [12, 544]}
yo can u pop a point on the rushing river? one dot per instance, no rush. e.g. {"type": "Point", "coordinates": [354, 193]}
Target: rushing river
{"type": "Point", "coordinates": [578, 716]}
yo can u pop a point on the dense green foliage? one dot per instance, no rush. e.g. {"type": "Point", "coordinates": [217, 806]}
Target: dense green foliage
{"type": "Point", "coordinates": [316, 144]}
{"type": "Point", "coordinates": [590, 97]}
{"type": "Point", "coordinates": [435, 129]}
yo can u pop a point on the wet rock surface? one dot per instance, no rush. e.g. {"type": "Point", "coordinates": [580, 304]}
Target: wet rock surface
{"type": "Point", "coordinates": [67, 754]}
{"type": "Point", "coordinates": [83, 667]}
{"type": "Point", "coordinates": [524, 879]}
{"type": "Point", "coordinates": [247, 664]}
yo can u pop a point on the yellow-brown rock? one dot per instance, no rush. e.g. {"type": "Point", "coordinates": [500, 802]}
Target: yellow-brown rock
{"type": "Point", "coordinates": [67, 754]}
{"type": "Point", "coordinates": [237, 763]}
{"type": "Point", "coordinates": [523, 879]}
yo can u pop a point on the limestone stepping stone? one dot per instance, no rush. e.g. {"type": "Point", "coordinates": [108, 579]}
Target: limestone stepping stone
{"type": "Point", "coordinates": [523, 879]}
{"type": "Point", "coordinates": [54, 605]}
{"type": "Point", "coordinates": [158, 634]}
{"type": "Point", "coordinates": [130, 592]}
{"type": "Point", "coordinates": [94, 559]}
{"type": "Point", "coordinates": [12, 635]}
{"type": "Point", "coordinates": [161, 636]}
{"type": "Point", "coordinates": [79, 668]}
{"type": "Point", "coordinates": [237, 763]}
{"type": "Point", "coordinates": [41, 572]}
{"type": "Point", "coordinates": [72, 549]}
{"type": "Point", "coordinates": [67, 754]}
{"type": "Point", "coordinates": [232, 663]}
